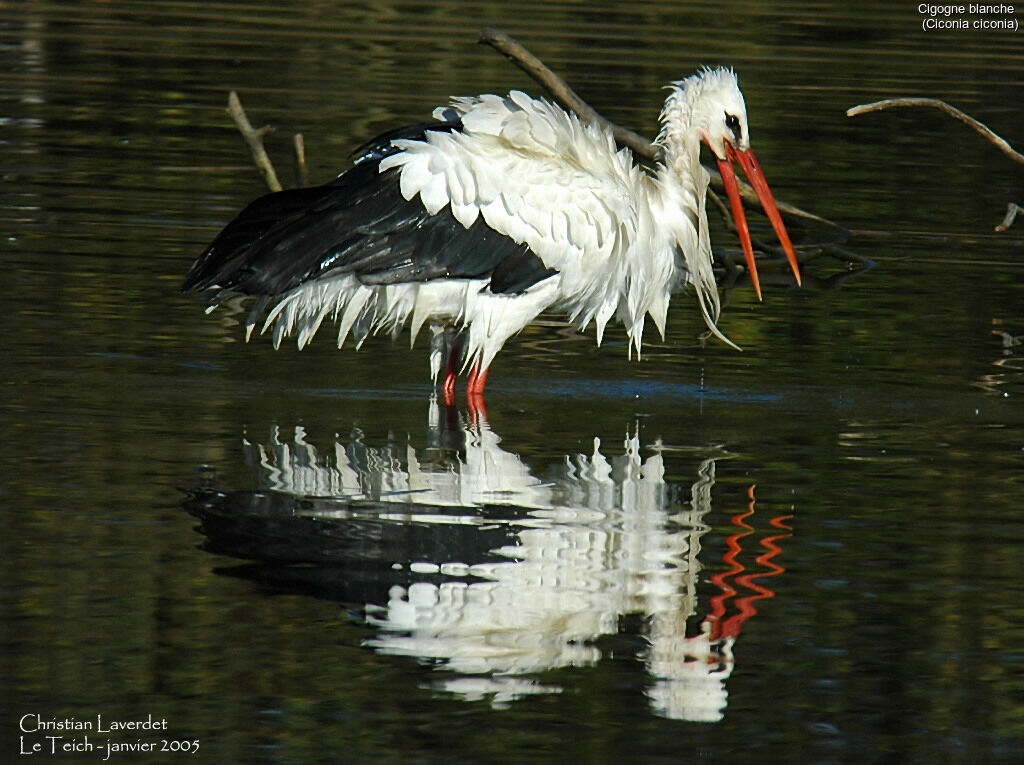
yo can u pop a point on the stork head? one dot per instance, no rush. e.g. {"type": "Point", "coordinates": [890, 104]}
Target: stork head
{"type": "Point", "coordinates": [708, 106]}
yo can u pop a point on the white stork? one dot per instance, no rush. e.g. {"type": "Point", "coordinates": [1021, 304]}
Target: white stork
{"type": "Point", "coordinates": [477, 222]}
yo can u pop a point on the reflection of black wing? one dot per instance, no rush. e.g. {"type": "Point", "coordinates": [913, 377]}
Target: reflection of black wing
{"type": "Point", "coordinates": [359, 224]}
{"type": "Point", "coordinates": [304, 544]}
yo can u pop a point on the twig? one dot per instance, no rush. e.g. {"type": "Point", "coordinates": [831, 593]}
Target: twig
{"type": "Point", "coordinates": [979, 127]}
{"type": "Point", "coordinates": [254, 138]}
{"type": "Point", "coordinates": [637, 143]}
{"type": "Point", "coordinates": [301, 170]}
{"type": "Point", "coordinates": [1011, 213]}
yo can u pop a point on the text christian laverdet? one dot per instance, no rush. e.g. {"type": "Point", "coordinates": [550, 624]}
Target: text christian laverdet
{"type": "Point", "coordinates": [103, 737]}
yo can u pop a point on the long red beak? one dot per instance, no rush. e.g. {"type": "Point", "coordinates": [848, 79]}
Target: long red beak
{"type": "Point", "coordinates": [748, 162]}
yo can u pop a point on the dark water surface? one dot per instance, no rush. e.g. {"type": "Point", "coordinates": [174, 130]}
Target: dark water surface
{"type": "Point", "coordinates": [810, 551]}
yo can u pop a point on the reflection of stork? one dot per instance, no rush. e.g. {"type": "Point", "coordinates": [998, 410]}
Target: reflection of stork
{"type": "Point", "coordinates": [693, 669]}
{"type": "Point", "coordinates": [490, 571]}
{"type": "Point", "coordinates": [499, 209]}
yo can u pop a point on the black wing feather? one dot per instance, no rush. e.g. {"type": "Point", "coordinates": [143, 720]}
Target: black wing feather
{"type": "Point", "coordinates": [359, 223]}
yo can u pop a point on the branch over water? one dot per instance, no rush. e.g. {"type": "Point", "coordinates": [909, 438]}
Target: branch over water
{"type": "Point", "coordinates": [254, 139]}
{"type": "Point", "coordinates": [979, 127]}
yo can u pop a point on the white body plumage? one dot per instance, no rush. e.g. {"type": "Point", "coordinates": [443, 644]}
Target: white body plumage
{"type": "Point", "coordinates": [538, 175]}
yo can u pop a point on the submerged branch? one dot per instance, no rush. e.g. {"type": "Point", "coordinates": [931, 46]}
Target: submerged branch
{"type": "Point", "coordinates": [254, 139]}
{"type": "Point", "coordinates": [567, 97]}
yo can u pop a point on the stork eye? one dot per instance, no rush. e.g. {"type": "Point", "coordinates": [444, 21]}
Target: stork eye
{"type": "Point", "coordinates": [733, 123]}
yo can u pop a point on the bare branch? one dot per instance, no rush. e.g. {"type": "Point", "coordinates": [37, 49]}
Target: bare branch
{"type": "Point", "coordinates": [637, 143]}
{"type": "Point", "coordinates": [301, 170]}
{"type": "Point", "coordinates": [978, 127]}
{"type": "Point", "coordinates": [254, 139]}
{"type": "Point", "coordinates": [1011, 213]}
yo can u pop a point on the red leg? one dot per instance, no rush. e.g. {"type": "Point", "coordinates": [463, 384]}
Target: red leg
{"type": "Point", "coordinates": [475, 394]}
{"type": "Point", "coordinates": [450, 375]}
{"type": "Point", "coordinates": [448, 390]}
{"type": "Point", "coordinates": [477, 380]}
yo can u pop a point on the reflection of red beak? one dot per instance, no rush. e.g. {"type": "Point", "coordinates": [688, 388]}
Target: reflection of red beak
{"type": "Point", "coordinates": [748, 162]}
